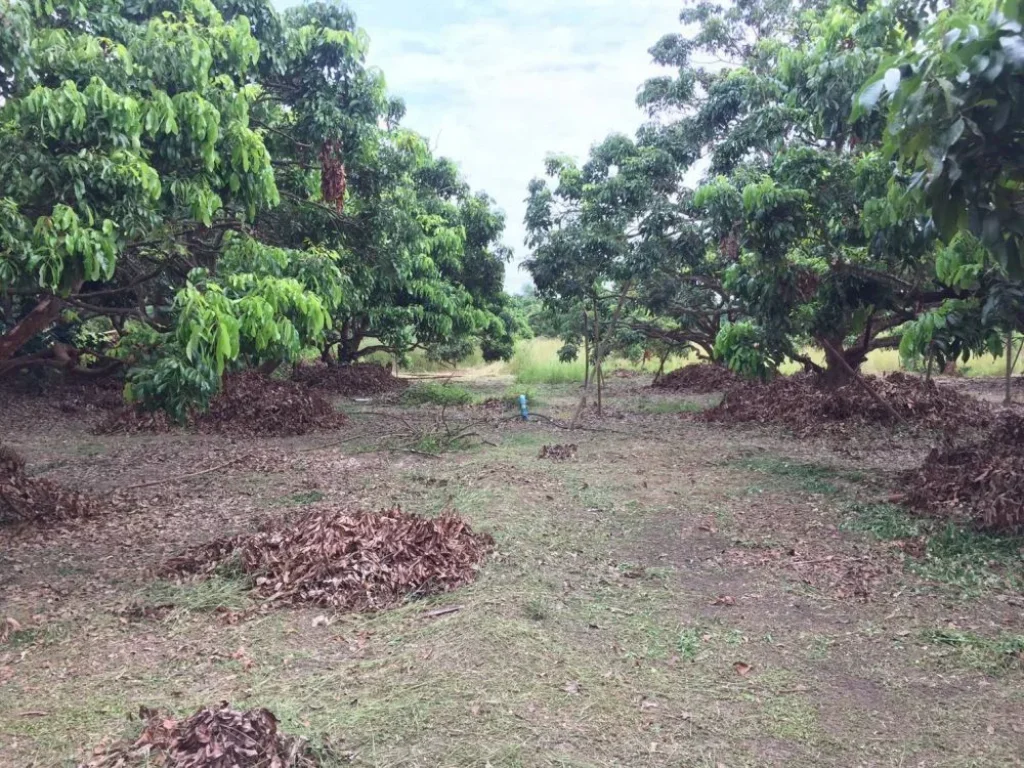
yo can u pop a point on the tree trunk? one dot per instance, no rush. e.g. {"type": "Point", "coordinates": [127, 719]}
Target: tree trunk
{"type": "Point", "coordinates": [661, 368]}
{"type": "Point", "coordinates": [1009, 367]}
{"type": "Point", "coordinates": [840, 365]}
{"type": "Point", "coordinates": [857, 379]}
{"type": "Point", "coordinates": [586, 351]}
{"type": "Point", "coordinates": [597, 354]}
{"type": "Point", "coordinates": [348, 348]}
{"type": "Point", "coordinates": [270, 367]}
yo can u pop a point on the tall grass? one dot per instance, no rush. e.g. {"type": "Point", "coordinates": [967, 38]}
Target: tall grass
{"type": "Point", "coordinates": [888, 360]}
{"type": "Point", "coordinates": [536, 362]}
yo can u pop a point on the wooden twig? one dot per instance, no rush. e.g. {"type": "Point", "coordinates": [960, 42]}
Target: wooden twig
{"type": "Point", "coordinates": [442, 612]}
{"type": "Point", "coordinates": [185, 476]}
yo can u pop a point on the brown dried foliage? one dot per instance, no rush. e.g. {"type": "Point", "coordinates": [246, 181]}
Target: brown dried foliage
{"type": "Point", "coordinates": [333, 179]}
{"type": "Point", "coordinates": [211, 738]}
{"type": "Point", "coordinates": [701, 378]}
{"type": "Point", "coordinates": [559, 452]}
{"type": "Point", "coordinates": [983, 482]}
{"type": "Point", "coordinates": [805, 406]}
{"type": "Point", "coordinates": [349, 560]}
{"type": "Point", "coordinates": [32, 499]}
{"type": "Point", "coordinates": [349, 380]}
{"type": "Point", "coordinates": [250, 405]}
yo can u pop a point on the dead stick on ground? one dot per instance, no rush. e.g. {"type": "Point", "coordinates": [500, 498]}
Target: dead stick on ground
{"type": "Point", "coordinates": [442, 612]}
{"type": "Point", "coordinates": [863, 384]}
{"type": "Point", "coordinates": [190, 474]}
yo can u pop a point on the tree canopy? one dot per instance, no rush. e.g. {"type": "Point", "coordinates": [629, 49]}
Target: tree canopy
{"type": "Point", "coordinates": [191, 186]}
{"type": "Point", "coordinates": [773, 202]}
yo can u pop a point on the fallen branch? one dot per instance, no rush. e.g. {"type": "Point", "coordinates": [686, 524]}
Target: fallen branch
{"type": "Point", "coordinates": [442, 612]}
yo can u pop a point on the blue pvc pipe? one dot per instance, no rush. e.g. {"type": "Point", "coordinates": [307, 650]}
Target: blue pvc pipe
{"type": "Point", "coordinates": [524, 411]}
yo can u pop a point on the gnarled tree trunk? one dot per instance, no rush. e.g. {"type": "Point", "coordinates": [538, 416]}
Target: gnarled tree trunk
{"type": "Point", "coordinates": [840, 365]}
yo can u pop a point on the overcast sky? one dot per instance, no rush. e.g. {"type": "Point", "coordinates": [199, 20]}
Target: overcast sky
{"type": "Point", "coordinates": [499, 84]}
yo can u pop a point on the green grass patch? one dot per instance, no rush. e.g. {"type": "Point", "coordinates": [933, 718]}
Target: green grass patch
{"type": "Point", "coordinates": [224, 591]}
{"type": "Point", "coordinates": [972, 561]}
{"type": "Point", "coordinates": [307, 497]}
{"type": "Point", "coordinates": [810, 477]}
{"type": "Point", "coordinates": [989, 654]}
{"type": "Point", "coordinates": [429, 393]}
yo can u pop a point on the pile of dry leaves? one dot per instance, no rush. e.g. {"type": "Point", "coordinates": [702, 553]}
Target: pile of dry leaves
{"type": "Point", "coordinates": [250, 405]}
{"type": "Point", "coordinates": [701, 378]}
{"type": "Point", "coordinates": [983, 482]}
{"type": "Point", "coordinates": [361, 379]}
{"type": "Point", "coordinates": [349, 560]}
{"type": "Point", "coordinates": [211, 738]}
{"type": "Point", "coordinates": [32, 499]}
{"type": "Point", "coordinates": [802, 404]}
{"type": "Point", "coordinates": [558, 452]}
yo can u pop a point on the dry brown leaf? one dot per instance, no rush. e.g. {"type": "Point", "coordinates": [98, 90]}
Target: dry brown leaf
{"type": "Point", "coordinates": [742, 669]}
{"type": "Point", "coordinates": [349, 559]}
{"type": "Point", "coordinates": [211, 738]}
{"type": "Point", "coordinates": [725, 600]}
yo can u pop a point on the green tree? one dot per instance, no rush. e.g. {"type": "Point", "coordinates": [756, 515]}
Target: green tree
{"type": "Point", "coordinates": [190, 186]}
{"type": "Point", "coordinates": [954, 102]}
{"type": "Point", "coordinates": [814, 245]}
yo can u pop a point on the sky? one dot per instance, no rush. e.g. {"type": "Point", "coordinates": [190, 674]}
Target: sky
{"type": "Point", "coordinates": [497, 85]}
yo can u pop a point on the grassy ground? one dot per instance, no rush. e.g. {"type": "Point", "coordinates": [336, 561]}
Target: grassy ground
{"type": "Point", "coordinates": [678, 595]}
{"type": "Point", "coordinates": [536, 362]}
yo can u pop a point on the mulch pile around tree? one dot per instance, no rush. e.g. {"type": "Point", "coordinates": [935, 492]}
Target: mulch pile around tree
{"type": "Point", "coordinates": [362, 379]}
{"type": "Point", "coordinates": [802, 404]}
{"type": "Point", "coordinates": [211, 738]}
{"type": "Point", "coordinates": [348, 560]}
{"type": "Point", "coordinates": [25, 499]}
{"type": "Point", "coordinates": [701, 378]}
{"type": "Point", "coordinates": [982, 482]}
{"type": "Point", "coordinates": [250, 405]}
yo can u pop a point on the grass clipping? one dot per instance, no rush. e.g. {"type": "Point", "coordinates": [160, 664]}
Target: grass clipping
{"type": "Point", "coordinates": [348, 560]}
{"type": "Point", "coordinates": [983, 482]}
{"type": "Point", "coordinates": [25, 499]}
{"type": "Point", "coordinates": [807, 408]}
{"type": "Point", "coordinates": [211, 738]}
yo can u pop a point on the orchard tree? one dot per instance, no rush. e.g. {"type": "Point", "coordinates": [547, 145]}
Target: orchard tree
{"type": "Point", "coordinates": [954, 103]}
{"type": "Point", "coordinates": [614, 243]}
{"type": "Point", "coordinates": [814, 245]}
{"type": "Point", "coordinates": [191, 186]}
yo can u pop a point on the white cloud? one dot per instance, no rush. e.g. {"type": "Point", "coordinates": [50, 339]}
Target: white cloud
{"type": "Point", "coordinates": [497, 86]}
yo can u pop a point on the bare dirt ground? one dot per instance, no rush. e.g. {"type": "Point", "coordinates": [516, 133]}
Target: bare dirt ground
{"type": "Point", "coordinates": [673, 594]}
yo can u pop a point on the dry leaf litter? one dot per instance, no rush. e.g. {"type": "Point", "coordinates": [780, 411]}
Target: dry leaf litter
{"type": "Point", "coordinates": [348, 560]}
{"type": "Point", "coordinates": [35, 499]}
{"type": "Point", "coordinates": [800, 403]}
{"type": "Point", "coordinates": [211, 738]}
{"type": "Point", "coordinates": [250, 405]}
{"type": "Point", "coordinates": [983, 482]}
{"type": "Point", "coordinates": [701, 379]}
{"type": "Point", "coordinates": [362, 379]}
